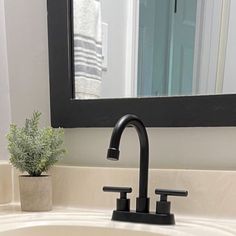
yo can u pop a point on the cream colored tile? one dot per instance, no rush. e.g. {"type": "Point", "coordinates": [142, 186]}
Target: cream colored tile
{"type": "Point", "coordinates": [82, 187]}
{"type": "Point", "coordinates": [211, 193]}
{"type": "Point", "coordinates": [16, 193]}
{"type": "Point", "coordinates": [5, 183]}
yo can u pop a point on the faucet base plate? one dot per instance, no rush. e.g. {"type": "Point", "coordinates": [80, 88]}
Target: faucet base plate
{"type": "Point", "coordinates": [147, 218]}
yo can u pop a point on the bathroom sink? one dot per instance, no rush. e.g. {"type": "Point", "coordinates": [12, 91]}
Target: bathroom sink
{"type": "Point", "coordinates": [74, 231]}
{"type": "Point", "coordinates": [185, 228]}
{"type": "Point", "coordinates": [75, 222]}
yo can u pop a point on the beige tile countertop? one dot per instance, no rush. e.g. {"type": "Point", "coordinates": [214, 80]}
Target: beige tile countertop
{"type": "Point", "coordinates": [5, 182]}
{"type": "Point", "coordinates": [211, 193]}
{"type": "Point", "coordinates": [78, 200]}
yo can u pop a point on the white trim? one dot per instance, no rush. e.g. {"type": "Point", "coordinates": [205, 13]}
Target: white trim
{"type": "Point", "coordinates": [132, 48]}
{"type": "Point", "coordinates": [197, 46]}
{"type": "Point", "coordinates": [207, 68]}
{"type": "Point", "coordinates": [230, 60]}
{"type": "Point", "coordinates": [223, 45]}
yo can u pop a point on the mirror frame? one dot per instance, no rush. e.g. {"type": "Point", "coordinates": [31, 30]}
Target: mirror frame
{"type": "Point", "coordinates": [184, 111]}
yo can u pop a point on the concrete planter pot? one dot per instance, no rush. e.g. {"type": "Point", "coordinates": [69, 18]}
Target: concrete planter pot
{"type": "Point", "coordinates": [35, 193]}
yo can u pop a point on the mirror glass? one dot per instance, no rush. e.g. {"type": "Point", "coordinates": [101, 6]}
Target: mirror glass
{"type": "Point", "coordinates": [148, 48]}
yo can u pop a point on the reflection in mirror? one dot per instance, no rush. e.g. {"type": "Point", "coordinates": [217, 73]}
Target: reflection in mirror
{"type": "Point", "coordinates": [147, 48]}
{"type": "Point", "coordinates": [87, 48]}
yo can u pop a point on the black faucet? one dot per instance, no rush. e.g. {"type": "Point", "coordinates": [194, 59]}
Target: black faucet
{"type": "Point", "coordinates": [142, 202]}
{"type": "Point", "coordinates": [142, 215]}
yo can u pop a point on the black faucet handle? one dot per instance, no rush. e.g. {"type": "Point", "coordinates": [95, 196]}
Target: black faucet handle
{"type": "Point", "coordinates": [163, 206]}
{"type": "Point", "coordinates": [166, 192]}
{"type": "Point", "coordinates": [122, 203]}
{"type": "Point", "coordinates": [117, 189]}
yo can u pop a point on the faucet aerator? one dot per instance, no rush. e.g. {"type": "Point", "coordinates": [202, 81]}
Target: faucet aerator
{"type": "Point", "coordinates": [113, 154]}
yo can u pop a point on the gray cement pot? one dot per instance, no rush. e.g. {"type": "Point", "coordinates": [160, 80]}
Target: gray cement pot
{"type": "Point", "coordinates": [35, 193]}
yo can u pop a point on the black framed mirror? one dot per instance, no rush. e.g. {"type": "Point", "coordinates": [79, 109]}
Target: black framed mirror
{"type": "Point", "coordinates": [68, 112]}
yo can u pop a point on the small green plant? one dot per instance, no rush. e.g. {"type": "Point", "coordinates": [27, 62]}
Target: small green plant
{"type": "Point", "coordinates": [34, 150]}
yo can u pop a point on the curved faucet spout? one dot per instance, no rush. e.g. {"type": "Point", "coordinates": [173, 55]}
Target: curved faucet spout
{"type": "Point", "coordinates": [113, 154]}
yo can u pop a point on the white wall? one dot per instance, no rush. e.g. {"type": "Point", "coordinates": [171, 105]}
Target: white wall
{"type": "Point", "coordinates": [26, 27]}
{"type": "Point", "coordinates": [5, 113]}
{"type": "Point", "coordinates": [230, 64]}
{"type": "Point", "coordinates": [24, 83]}
{"type": "Point", "coordinates": [187, 148]}
{"type": "Point", "coordinates": [113, 80]}
{"type": "Point", "coordinates": [197, 148]}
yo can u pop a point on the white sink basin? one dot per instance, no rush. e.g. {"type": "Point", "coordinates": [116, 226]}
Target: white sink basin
{"type": "Point", "coordinates": [75, 222]}
{"type": "Point", "coordinates": [184, 229]}
{"type": "Point", "coordinates": [73, 231]}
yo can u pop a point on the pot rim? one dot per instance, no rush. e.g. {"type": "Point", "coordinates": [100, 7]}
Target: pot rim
{"type": "Point", "coordinates": [29, 176]}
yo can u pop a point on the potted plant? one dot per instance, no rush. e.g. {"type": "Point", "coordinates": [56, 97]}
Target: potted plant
{"type": "Point", "coordinates": [34, 150]}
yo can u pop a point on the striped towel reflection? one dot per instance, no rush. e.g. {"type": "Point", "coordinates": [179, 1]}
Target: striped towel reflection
{"type": "Point", "coordinates": [87, 48]}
